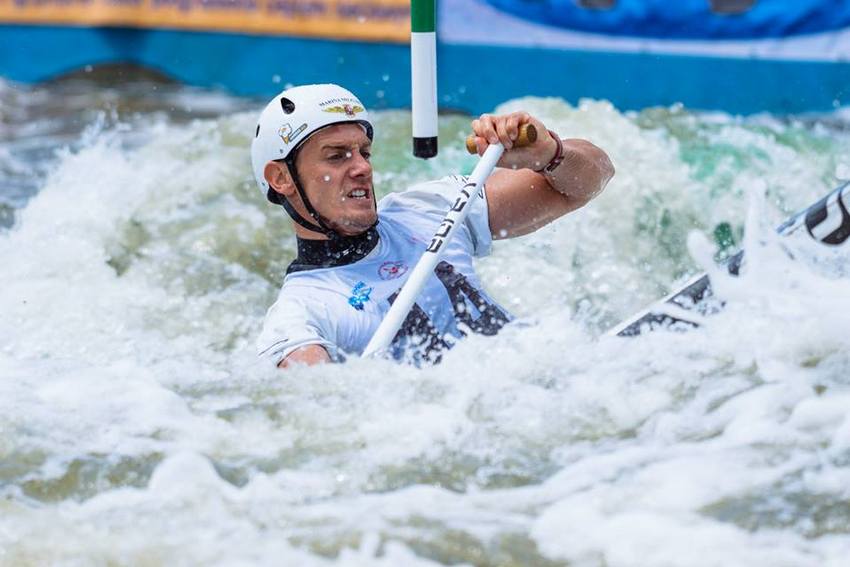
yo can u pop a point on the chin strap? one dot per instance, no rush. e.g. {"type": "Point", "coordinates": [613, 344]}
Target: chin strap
{"type": "Point", "coordinates": [321, 224]}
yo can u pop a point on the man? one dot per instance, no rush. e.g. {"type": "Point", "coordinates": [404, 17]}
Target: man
{"type": "Point", "coordinates": [311, 155]}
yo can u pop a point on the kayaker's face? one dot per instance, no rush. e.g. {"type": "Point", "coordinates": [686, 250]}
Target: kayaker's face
{"type": "Point", "coordinates": [336, 174]}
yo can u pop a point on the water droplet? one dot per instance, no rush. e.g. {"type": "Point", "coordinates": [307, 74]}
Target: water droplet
{"type": "Point", "coordinates": [276, 79]}
{"type": "Point", "coordinates": [361, 19]}
{"type": "Point", "coordinates": [348, 154]}
{"type": "Point", "coordinates": [503, 233]}
{"type": "Point", "coordinates": [327, 178]}
{"type": "Point", "coordinates": [385, 77]}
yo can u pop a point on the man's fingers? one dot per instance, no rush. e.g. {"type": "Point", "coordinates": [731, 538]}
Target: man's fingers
{"type": "Point", "coordinates": [487, 129]}
{"type": "Point", "coordinates": [490, 129]}
{"type": "Point", "coordinates": [504, 137]}
{"type": "Point", "coordinates": [479, 133]}
{"type": "Point", "coordinates": [512, 125]}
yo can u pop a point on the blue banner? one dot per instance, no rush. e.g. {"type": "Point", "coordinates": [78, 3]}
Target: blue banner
{"type": "Point", "coordinates": [686, 19]}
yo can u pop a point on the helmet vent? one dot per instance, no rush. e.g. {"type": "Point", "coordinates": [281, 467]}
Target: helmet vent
{"type": "Point", "coordinates": [258, 131]}
{"type": "Point", "coordinates": [287, 105]}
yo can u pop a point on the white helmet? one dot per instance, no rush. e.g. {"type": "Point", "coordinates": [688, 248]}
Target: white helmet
{"type": "Point", "coordinates": [293, 116]}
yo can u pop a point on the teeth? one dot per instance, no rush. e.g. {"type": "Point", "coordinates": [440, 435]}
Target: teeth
{"type": "Point", "coordinates": [358, 193]}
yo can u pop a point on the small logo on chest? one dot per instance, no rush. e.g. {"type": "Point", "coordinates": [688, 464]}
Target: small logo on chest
{"type": "Point", "coordinates": [392, 270]}
{"type": "Point", "coordinates": [359, 295]}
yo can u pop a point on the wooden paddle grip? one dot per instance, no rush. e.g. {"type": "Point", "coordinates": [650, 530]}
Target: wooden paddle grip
{"type": "Point", "coordinates": [527, 136]}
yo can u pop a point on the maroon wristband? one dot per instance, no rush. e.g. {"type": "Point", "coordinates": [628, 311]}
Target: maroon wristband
{"type": "Point", "coordinates": [557, 158]}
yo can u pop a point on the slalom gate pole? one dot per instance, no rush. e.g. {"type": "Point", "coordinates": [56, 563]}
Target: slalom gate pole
{"type": "Point", "coordinates": [434, 252]}
{"type": "Point", "coordinates": [423, 70]}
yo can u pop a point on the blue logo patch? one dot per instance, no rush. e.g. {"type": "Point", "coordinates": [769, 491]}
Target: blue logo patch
{"type": "Point", "coordinates": [359, 295]}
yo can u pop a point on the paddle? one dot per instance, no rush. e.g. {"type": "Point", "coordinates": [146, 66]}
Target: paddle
{"type": "Point", "coordinates": [827, 222]}
{"type": "Point", "coordinates": [435, 250]}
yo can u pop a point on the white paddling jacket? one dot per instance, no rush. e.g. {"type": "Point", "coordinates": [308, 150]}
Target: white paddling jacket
{"type": "Point", "coordinates": [340, 306]}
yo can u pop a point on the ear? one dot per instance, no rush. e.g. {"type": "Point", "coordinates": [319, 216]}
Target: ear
{"type": "Point", "coordinates": [277, 175]}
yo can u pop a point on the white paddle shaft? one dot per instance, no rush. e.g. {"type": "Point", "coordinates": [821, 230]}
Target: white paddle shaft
{"type": "Point", "coordinates": [429, 260]}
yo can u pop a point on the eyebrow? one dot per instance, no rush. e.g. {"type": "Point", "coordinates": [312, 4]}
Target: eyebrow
{"type": "Point", "coordinates": [343, 147]}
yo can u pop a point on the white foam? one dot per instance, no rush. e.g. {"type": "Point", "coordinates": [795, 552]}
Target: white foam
{"type": "Point", "coordinates": [139, 427]}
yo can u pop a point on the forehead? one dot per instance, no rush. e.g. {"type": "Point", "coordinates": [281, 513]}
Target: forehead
{"type": "Point", "coordinates": [338, 135]}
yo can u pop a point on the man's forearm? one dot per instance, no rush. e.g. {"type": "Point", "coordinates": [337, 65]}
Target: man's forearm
{"type": "Point", "coordinates": [537, 183]}
{"type": "Point", "coordinates": [584, 171]}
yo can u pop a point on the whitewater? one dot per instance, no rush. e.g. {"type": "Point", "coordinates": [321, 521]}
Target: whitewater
{"type": "Point", "coordinates": [138, 426]}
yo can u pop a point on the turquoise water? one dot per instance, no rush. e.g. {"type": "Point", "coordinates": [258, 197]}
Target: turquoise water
{"type": "Point", "coordinates": [137, 427]}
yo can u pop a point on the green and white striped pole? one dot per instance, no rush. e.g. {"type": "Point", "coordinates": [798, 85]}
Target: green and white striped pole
{"type": "Point", "coordinates": [423, 67]}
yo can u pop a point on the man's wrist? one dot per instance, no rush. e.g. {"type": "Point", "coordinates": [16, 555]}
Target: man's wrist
{"type": "Point", "coordinates": [557, 156]}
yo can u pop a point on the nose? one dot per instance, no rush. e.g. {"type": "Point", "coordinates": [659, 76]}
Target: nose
{"type": "Point", "coordinates": [361, 167]}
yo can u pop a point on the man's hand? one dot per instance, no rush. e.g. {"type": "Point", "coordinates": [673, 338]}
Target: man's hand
{"type": "Point", "coordinates": [489, 129]}
{"type": "Point", "coordinates": [307, 355]}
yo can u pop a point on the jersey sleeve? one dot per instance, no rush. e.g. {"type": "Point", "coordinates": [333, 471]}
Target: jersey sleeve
{"type": "Point", "coordinates": [435, 198]}
{"type": "Point", "coordinates": [291, 324]}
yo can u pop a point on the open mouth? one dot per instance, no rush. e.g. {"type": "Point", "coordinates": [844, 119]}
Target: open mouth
{"type": "Point", "coordinates": [359, 193]}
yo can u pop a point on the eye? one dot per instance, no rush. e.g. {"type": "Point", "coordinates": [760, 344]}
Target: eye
{"type": "Point", "coordinates": [366, 155]}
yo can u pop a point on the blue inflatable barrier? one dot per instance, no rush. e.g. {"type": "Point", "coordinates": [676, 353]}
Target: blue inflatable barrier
{"type": "Point", "coordinates": [686, 19]}
{"type": "Point", "coordinates": [740, 56]}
